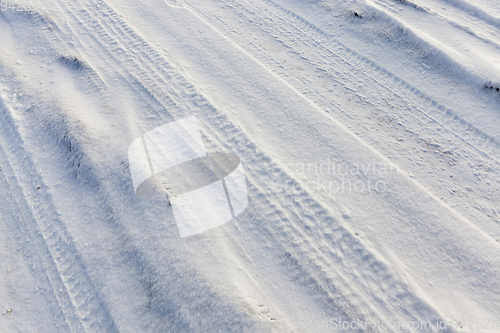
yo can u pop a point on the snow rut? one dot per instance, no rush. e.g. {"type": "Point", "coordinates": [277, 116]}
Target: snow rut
{"type": "Point", "coordinates": [431, 124]}
{"type": "Point", "coordinates": [286, 26]}
{"type": "Point", "coordinates": [74, 298]}
{"type": "Point", "coordinates": [311, 239]}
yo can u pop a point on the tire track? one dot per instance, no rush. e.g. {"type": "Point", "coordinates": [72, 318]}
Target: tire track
{"type": "Point", "coordinates": [293, 25]}
{"type": "Point", "coordinates": [287, 221]}
{"type": "Point", "coordinates": [35, 249]}
{"type": "Point", "coordinates": [53, 247]}
{"type": "Point", "coordinates": [334, 60]}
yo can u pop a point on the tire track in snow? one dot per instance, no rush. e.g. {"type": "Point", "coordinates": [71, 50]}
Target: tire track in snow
{"type": "Point", "coordinates": [486, 145]}
{"type": "Point", "coordinates": [35, 249]}
{"type": "Point", "coordinates": [437, 121]}
{"type": "Point", "coordinates": [169, 309]}
{"type": "Point", "coordinates": [350, 132]}
{"type": "Point", "coordinates": [52, 247]}
{"type": "Point", "coordinates": [288, 223]}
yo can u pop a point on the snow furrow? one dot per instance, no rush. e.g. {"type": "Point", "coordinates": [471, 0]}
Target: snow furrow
{"type": "Point", "coordinates": [278, 90]}
{"type": "Point", "coordinates": [280, 230]}
{"type": "Point", "coordinates": [297, 234]}
{"type": "Point", "coordinates": [436, 120]}
{"type": "Point", "coordinates": [55, 247]}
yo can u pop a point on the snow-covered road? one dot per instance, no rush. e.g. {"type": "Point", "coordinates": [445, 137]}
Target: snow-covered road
{"type": "Point", "coordinates": [368, 132]}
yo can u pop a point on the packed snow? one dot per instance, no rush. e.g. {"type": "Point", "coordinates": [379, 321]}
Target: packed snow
{"type": "Point", "coordinates": [362, 185]}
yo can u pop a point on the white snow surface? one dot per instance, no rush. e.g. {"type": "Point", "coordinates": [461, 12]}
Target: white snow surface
{"type": "Point", "coordinates": [368, 132]}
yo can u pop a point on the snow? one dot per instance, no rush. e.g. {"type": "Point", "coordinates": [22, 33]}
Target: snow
{"type": "Point", "coordinates": [367, 146]}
